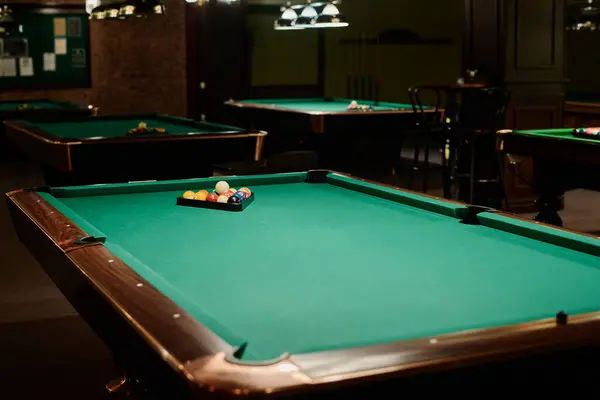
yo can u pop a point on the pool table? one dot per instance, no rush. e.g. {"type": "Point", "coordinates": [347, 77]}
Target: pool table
{"type": "Point", "coordinates": [326, 283]}
{"type": "Point", "coordinates": [561, 162]}
{"type": "Point", "coordinates": [324, 125]}
{"type": "Point", "coordinates": [76, 150]}
{"type": "Point", "coordinates": [34, 108]}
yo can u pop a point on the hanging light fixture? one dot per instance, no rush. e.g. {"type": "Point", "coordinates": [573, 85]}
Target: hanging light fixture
{"type": "Point", "coordinates": [141, 8]}
{"type": "Point", "coordinates": [583, 16]}
{"type": "Point", "coordinates": [105, 11]}
{"type": "Point", "coordinates": [288, 18]}
{"type": "Point", "coordinates": [321, 15]}
{"type": "Point", "coordinates": [308, 17]}
{"type": "Point", "coordinates": [8, 25]}
{"type": "Point", "coordinates": [330, 17]}
{"type": "Point", "coordinates": [98, 13]}
{"type": "Point", "coordinates": [128, 9]}
{"type": "Point", "coordinates": [112, 11]}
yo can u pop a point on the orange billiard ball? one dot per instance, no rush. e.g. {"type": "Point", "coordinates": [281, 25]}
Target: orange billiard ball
{"type": "Point", "coordinates": [201, 195]}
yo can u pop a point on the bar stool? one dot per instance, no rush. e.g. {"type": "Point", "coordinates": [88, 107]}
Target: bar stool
{"type": "Point", "coordinates": [429, 127]}
{"type": "Point", "coordinates": [481, 114]}
{"type": "Point", "coordinates": [468, 108]}
{"type": "Point", "coordinates": [446, 127]}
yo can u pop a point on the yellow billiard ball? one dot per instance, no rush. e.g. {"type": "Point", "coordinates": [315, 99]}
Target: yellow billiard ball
{"type": "Point", "coordinates": [189, 195]}
{"type": "Point", "coordinates": [201, 195]}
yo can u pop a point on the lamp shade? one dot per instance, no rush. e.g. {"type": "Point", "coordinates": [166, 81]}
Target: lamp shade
{"type": "Point", "coordinates": [308, 17]}
{"type": "Point", "coordinates": [112, 11]}
{"type": "Point", "coordinates": [330, 17]}
{"type": "Point", "coordinates": [288, 18]}
{"type": "Point", "coordinates": [128, 9]}
{"type": "Point", "coordinates": [144, 8]}
{"type": "Point", "coordinates": [98, 13]}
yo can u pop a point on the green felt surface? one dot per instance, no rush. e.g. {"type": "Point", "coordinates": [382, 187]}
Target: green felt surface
{"type": "Point", "coordinates": [11, 106]}
{"type": "Point", "coordinates": [563, 134]}
{"type": "Point", "coordinates": [321, 105]}
{"type": "Point", "coordinates": [310, 267]}
{"type": "Point", "coordinates": [114, 128]}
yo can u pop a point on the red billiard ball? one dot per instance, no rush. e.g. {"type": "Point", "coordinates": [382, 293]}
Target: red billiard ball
{"type": "Point", "coordinates": [212, 197]}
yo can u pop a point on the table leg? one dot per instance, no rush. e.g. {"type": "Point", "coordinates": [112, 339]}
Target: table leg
{"type": "Point", "coordinates": [547, 206]}
{"type": "Point", "coordinates": [126, 385]}
{"type": "Point", "coordinates": [549, 181]}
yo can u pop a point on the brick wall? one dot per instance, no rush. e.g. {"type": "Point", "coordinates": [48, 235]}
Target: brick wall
{"type": "Point", "coordinates": [140, 65]}
{"type": "Point", "coordinates": [137, 65]}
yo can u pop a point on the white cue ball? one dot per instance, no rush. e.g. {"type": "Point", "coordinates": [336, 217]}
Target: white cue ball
{"type": "Point", "coordinates": [221, 187]}
{"type": "Point", "coordinates": [222, 199]}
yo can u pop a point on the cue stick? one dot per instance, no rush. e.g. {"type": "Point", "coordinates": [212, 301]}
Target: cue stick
{"type": "Point", "coordinates": [368, 70]}
{"type": "Point", "coordinates": [363, 66]}
{"type": "Point", "coordinates": [348, 62]}
{"type": "Point", "coordinates": [356, 66]}
{"type": "Point", "coordinates": [377, 68]}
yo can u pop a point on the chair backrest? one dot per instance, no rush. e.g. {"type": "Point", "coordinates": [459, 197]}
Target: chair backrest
{"type": "Point", "coordinates": [415, 93]}
{"type": "Point", "coordinates": [484, 108]}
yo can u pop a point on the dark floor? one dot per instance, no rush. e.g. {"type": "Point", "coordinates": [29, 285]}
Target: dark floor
{"type": "Point", "coordinates": [47, 351]}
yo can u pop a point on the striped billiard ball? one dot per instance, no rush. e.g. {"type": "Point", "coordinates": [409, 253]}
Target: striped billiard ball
{"type": "Point", "coordinates": [241, 194]}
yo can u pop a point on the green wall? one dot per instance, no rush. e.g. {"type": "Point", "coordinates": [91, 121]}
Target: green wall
{"type": "Point", "coordinates": [290, 57]}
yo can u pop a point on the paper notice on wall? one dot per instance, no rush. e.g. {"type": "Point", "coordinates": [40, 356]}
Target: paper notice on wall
{"type": "Point", "coordinates": [49, 62]}
{"type": "Point", "coordinates": [60, 27]}
{"type": "Point", "coordinates": [26, 66]}
{"type": "Point", "coordinates": [8, 67]}
{"type": "Point", "coordinates": [60, 46]}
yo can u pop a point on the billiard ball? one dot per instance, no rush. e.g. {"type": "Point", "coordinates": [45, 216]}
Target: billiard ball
{"type": "Point", "coordinates": [201, 195]}
{"type": "Point", "coordinates": [221, 187]}
{"type": "Point", "coordinates": [212, 197]}
{"type": "Point", "coordinates": [234, 200]}
{"type": "Point", "coordinates": [222, 199]}
{"type": "Point", "coordinates": [189, 195]}
{"type": "Point", "coordinates": [245, 189]}
{"type": "Point", "coordinates": [232, 190]}
{"type": "Point", "coordinates": [241, 194]}
{"type": "Point", "coordinates": [142, 125]}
